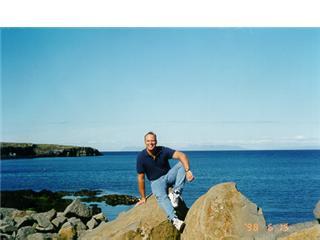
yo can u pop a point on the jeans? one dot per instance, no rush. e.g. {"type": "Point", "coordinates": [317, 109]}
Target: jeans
{"type": "Point", "coordinates": [176, 177]}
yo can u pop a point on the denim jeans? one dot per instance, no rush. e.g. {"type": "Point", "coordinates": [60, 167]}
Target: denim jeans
{"type": "Point", "coordinates": [175, 178]}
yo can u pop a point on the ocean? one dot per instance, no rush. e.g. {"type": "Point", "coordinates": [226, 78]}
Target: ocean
{"type": "Point", "coordinates": [285, 184]}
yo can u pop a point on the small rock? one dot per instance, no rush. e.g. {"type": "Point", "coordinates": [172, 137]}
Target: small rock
{"type": "Point", "coordinates": [79, 225]}
{"type": "Point", "coordinates": [100, 217]}
{"type": "Point", "coordinates": [8, 228]}
{"type": "Point", "coordinates": [44, 219]}
{"type": "Point", "coordinates": [24, 232]}
{"type": "Point", "coordinates": [25, 221]}
{"type": "Point", "coordinates": [59, 221]}
{"type": "Point", "coordinates": [67, 231]}
{"type": "Point", "coordinates": [78, 209]}
{"type": "Point", "coordinates": [92, 223]}
{"type": "Point", "coordinates": [5, 237]}
{"type": "Point", "coordinates": [43, 236]}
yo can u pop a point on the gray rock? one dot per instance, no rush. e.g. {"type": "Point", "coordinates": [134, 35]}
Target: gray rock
{"type": "Point", "coordinates": [59, 221]}
{"type": "Point", "coordinates": [92, 223]}
{"type": "Point", "coordinates": [6, 212]}
{"type": "Point", "coordinates": [47, 229]}
{"type": "Point", "coordinates": [6, 236]}
{"type": "Point", "coordinates": [80, 227]}
{"type": "Point", "coordinates": [316, 211]}
{"type": "Point", "coordinates": [78, 209]}
{"type": "Point", "coordinates": [24, 232]}
{"type": "Point", "coordinates": [25, 221]}
{"type": "Point", "coordinates": [43, 236]}
{"type": "Point", "coordinates": [44, 219]}
{"type": "Point", "coordinates": [60, 214]}
{"type": "Point", "coordinates": [8, 228]}
{"type": "Point", "coordinates": [7, 221]}
{"type": "Point", "coordinates": [100, 217]}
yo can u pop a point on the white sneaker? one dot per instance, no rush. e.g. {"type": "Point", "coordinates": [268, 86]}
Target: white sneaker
{"type": "Point", "coordinates": [178, 224]}
{"type": "Point", "coordinates": [174, 199]}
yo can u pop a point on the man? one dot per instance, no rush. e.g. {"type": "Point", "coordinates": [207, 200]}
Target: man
{"type": "Point", "coordinates": [153, 161]}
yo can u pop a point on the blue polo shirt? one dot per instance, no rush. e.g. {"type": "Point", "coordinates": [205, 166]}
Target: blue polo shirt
{"type": "Point", "coordinates": [154, 168]}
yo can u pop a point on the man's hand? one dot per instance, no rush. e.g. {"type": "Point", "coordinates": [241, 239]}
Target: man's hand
{"type": "Point", "coordinates": [189, 176]}
{"type": "Point", "coordinates": [141, 201]}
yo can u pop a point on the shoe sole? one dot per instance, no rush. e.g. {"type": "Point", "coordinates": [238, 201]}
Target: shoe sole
{"type": "Point", "coordinates": [182, 227]}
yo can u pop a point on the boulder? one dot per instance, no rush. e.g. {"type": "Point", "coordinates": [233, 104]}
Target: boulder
{"type": "Point", "coordinates": [78, 224]}
{"type": "Point", "coordinates": [59, 221]}
{"type": "Point", "coordinates": [78, 209]}
{"type": "Point", "coordinates": [306, 231]}
{"type": "Point", "coordinates": [25, 221]}
{"type": "Point", "coordinates": [43, 236]}
{"type": "Point", "coordinates": [44, 220]}
{"type": "Point", "coordinates": [100, 217]}
{"type": "Point", "coordinates": [223, 213]}
{"type": "Point", "coordinates": [146, 221]}
{"type": "Point", "coordinates": [8, 228]}
{"type": "Point", "coordinates": [92, 223]}
{"type": "Point", "coordinates": [24, 232]}
{"type": "Point", "coordinates": [316, 211]}
{"type": "Point", "coordinates": [67, 231]}
{"type": "Point", "coordinates": [6, 236]}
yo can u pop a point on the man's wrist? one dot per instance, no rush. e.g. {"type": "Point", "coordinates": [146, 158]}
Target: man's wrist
{"type": "Point", "coordinates": [187, 170]}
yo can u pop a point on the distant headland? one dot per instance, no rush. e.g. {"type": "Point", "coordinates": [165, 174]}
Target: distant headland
{"type": "Point", "coordinates": [30, 150]}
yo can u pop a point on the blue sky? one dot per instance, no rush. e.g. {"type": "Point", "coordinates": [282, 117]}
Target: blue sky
{"type": "Point", "coordinates": [197, 88]}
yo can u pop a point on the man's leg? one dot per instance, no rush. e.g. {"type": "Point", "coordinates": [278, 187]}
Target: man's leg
{"type": "Point", "coordinates": [159, 189]}
{"type": "Point", "coordinates": [176, 177]}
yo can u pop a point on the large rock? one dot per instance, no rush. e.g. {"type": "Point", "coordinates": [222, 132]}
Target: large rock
{"type": "Point", "coordinates": [146, 221]}
{"type": "Point", "coordinates": [24, 232]}
{"type": "Point", "coordinates": [68, 231]}
{"type": "Point", "coordinates": [44, 220]}
{"type": "Point", "coordinates": [308, 232]}
{"type": "Point", "coordinates": [223, 213]}
{"type": "Point", "coordinates": [78, 209]}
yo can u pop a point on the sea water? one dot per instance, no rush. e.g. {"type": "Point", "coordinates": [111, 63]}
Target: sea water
{"type": "Point", "coordinates": [285, 184]}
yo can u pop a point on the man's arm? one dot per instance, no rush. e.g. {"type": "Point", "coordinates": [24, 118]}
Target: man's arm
{"type": "Point", "coordinates": [141, 187]}
{"type": "Point", "coordinates": [185, 163]}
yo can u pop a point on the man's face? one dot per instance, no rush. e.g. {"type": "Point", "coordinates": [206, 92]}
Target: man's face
{"type": "Point", "coordinates": [150, 141]}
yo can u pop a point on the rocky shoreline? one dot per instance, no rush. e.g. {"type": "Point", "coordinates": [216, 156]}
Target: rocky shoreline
{"type": "Point", "coordinates": [221, 213]}
{"type": "Point", "coordinates": [68, 224]}
{"type": "Point", "coordinates": [30, 150]}
{"type": "Point", "coordinates": [45, 200]}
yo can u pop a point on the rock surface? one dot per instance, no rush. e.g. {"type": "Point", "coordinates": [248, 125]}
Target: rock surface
{"type": "Point", "coordinates": [223, 213]}
{"type": "Point", "coordinates": [78, 209]}
{"type": "Point", "coordinates": [146, 221]}
{"type": "Point", "coordinates": [17, 224]}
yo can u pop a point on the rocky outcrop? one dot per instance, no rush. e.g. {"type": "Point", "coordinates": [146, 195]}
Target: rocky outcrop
{"type": "Point", "coordinates": [146, 221]}
{"type": "Point", "coordinates": [30, 150]}
{"type": "Point", "coordinates": [222, 213]}
{"type": "Point", "coordinates": [70, 224]}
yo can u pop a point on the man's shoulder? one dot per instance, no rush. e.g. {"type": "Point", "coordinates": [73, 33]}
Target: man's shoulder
{"type": "Point", "coordinates": [141, 154]}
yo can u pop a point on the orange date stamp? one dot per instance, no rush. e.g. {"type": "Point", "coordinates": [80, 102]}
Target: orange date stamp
{"type": "Point", "coordinates": [254, 227]}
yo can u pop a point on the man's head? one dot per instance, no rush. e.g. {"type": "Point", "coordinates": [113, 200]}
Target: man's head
{"type": "Point", "coordinates": [150, 140]}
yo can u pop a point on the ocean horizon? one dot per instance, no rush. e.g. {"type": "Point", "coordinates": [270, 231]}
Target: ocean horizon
{"type": "Point", "coordinates": [284, 183]}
